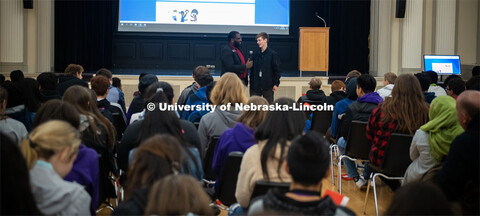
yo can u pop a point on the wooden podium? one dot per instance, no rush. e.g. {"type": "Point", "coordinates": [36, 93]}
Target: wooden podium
{"type": "Point", "coordinates": [313, 49]}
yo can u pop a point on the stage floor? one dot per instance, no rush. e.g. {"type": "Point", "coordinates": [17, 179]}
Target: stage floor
{"type": "Point", "coordinates": [216, 72]}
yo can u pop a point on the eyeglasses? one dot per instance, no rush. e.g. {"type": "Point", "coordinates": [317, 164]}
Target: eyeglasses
{"type": "Point", "coordinates": [447, 88]}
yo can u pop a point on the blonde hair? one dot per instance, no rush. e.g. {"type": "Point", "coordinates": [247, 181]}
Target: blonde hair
{"type": "Point", "coordinates": [49, 138]}
{"type": "Point", "coordinates": [178, 195]}
{"type": "Point", "coordinates": [229, 89]}
{"type": "Point", "coordinates": [390, 77]}
{"type": "Point", "coordinates": [253, 118]}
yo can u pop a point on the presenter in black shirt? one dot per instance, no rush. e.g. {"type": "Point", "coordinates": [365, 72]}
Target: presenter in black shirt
{"type": "Point", "coordinates": [265, 73]}
{"type": "Point", "coordinates": [233, 59]}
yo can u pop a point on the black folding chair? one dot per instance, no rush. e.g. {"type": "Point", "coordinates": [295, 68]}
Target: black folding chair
{"type": "Point", "coordinates": [227, 182]}
{"type": "Point", "coordinates": [357, 149]}
{"type": "Point", "coordinates": [262, 187]}
{"type": "Point", "coordinates": [321, 121]}
{"type": "Point", "coordinates": [395, 162]}
{"type": "Point", "coordinates": [210, 176]}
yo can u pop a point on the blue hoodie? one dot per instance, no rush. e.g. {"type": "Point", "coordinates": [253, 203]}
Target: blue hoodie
{"type": "Point", "coordinates": [199, 98]}
{"type": "Point", "coordinates": [238, 138]}
{"type": "Point", "coordinates": [342, 105]}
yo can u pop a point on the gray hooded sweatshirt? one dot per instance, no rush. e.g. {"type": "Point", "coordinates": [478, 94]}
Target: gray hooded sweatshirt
{"type": "Point", "coordinates": [55, 196]}
{"type": "Point", "coordinates": [214, 124]}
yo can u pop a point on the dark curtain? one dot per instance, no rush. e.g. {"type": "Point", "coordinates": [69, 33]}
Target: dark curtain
{"type": "Point", "coordinates": [83, 33]}
{"type": "Point", "coordinates": [349, 22]}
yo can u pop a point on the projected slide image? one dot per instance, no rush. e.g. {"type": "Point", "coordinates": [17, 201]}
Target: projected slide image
{"type": "Point", "coordinates": [442, 67]}
{"type": "Point", "coordinates": [205, 16]}
{"type": "Point", "coordinates": [205, 12]}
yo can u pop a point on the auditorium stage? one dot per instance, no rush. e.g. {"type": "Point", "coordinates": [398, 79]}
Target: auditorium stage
{"type": "Point", "coordinates": [292, 85]}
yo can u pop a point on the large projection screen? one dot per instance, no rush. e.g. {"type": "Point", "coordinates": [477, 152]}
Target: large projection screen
{"type": "Point", "coordinates": [205, 16]}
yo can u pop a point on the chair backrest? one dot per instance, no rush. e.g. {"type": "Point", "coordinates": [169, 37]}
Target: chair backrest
{"type": "Point", "coordinates": [208, 160]}
{"type": "Point", "coordinates": [321, 121]}
{"type": "Point", "coordinates": [225, 190]}
{"type": "Point", "coordinates": [358, 146]}
{"type": "Point", "coordinates": [262, 187]}
{"type": "Point", "coordinates": [397, 155]}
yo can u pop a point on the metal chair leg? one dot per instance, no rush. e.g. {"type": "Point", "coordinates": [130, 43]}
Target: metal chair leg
{"type": "Point", "coordinates": [340, 175]}
{"type": "Point", "coordinates": [366, 196]}
{"type": "Point", "coordinates": [375, 194]}
{"type": "Point", "coordinates": [332, 147]}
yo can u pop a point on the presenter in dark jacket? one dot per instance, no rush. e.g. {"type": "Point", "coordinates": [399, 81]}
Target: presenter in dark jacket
{"type": "Point", "coordinates": [233, 59]}
{"type": "Point", "coordinates": [265, 75]}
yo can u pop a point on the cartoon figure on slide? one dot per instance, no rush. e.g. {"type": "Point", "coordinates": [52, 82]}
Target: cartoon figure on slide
{"type": "Point", "coordinates": [194, 15]}
{"type": "Point", "coordinates": [174, 16]}
{"type": "Point", "coordinates": [183, 14]}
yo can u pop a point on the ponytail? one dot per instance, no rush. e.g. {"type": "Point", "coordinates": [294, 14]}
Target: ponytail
{"type": "Point", "coordinates": [49, 138]}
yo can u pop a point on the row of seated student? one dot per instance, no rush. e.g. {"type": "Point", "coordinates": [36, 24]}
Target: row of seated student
{"type": "Point", "coordinates": [275, 132]}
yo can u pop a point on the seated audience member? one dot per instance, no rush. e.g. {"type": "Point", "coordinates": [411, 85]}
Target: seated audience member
{"type": "Point", "coordinates": [189, 129]}
{"type": "Point", "coordinates": [48, 83]}
{"type": "Point", "coordinates": [193, 88]}
{"type": "Point", "coordinates": [473, 83]}
{"type": "Point", "coordinates": [159, 122]}
{"type": "Point", "coordinates": [459, 176]}
{"type": "Point", "coordinates": [97, 133]}
{"type": "Point", "coordinates": [117, 83]}
{"type": "Point", "coordinates": [138, 102]}
{"type": "Point", "coordinates": [434, 87]}
{"type": "Point", "coordinates": [178, 195]}
{"type": "Point", "coordinates": [111, 111]}
{"type": "Point", "coordinates": [241, 136]}
{"type": "Point", "coordinates": [114, 95]}
{"type": "Point", "coordinates": [388, 83]}
{"type": "Point", "coordinates": [49, 151]}
{"type": "Point", "coordinates": [149, 92]}
{"type": "Point", "coordinates": [137, 93]}
{"type": "Point", "coordinates": [16, 197]}
{"type": "Point", "coordinates": [200, 97]}
{"type": "Point", "coordinates": [420, 198]}
{"type": "Point", "coordinates": [228, 90]}
{"type": "Point", "coordinates": [31, 94]}
{"type": "Point", "coordinates": [16, 76]}
{"type": "Point", "coordinates": [308, 163]}
{"type": "Point", "coordinates": [341, 107]}
{"type": "Point", "coordinates": [455, 87]}
{"type": "Point", "coordinates": [404, 112]}
{"type": "Point", "coordinates": [85, 167]}
{"type": "Point", "coordinates": [352, 73]}
{"type": "Point", "coordinates": [338, 92]}
{"type": "Point", "coordinates": [315, 94]}
{"type": "Point", "coordinates": [359, 110]}
{"type": "Point", "coordinates": [263, 161]}
{"type": "Point", "coordinates": [15, 130]}
{"type": "Point", "coordinates": [450, 77]}
{"type": "Point", "coordinates": [72, 76]}
{"type": "Point", "coordinates": [476, 71]}
{"type": "Point", "coordinates": [425, 82]}
{"type": "Point", "coordinates": [157, 157]}
{"type": "Point", "coordinates": [431, 142]}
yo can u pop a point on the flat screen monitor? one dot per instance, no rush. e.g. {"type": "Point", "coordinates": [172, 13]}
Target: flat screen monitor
{"type": "Point", "coordinates": [443, 64]}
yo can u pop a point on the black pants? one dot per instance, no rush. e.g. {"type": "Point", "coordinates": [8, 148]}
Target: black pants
{"type": "Point", "coordinates": [267, 94]}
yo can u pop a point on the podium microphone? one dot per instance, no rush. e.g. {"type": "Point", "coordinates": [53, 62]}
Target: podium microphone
{"type": "Point", "coordinates": [316, 14]}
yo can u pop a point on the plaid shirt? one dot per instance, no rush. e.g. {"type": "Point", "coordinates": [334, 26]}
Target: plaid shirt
{"type": "Point", "coordinates": [379, 134]}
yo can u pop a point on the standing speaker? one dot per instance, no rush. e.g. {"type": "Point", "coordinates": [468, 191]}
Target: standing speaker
{"type": "Point", "coordinates": [28, 4]}
{"type": "Point", "coordinates": [400, 9]}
